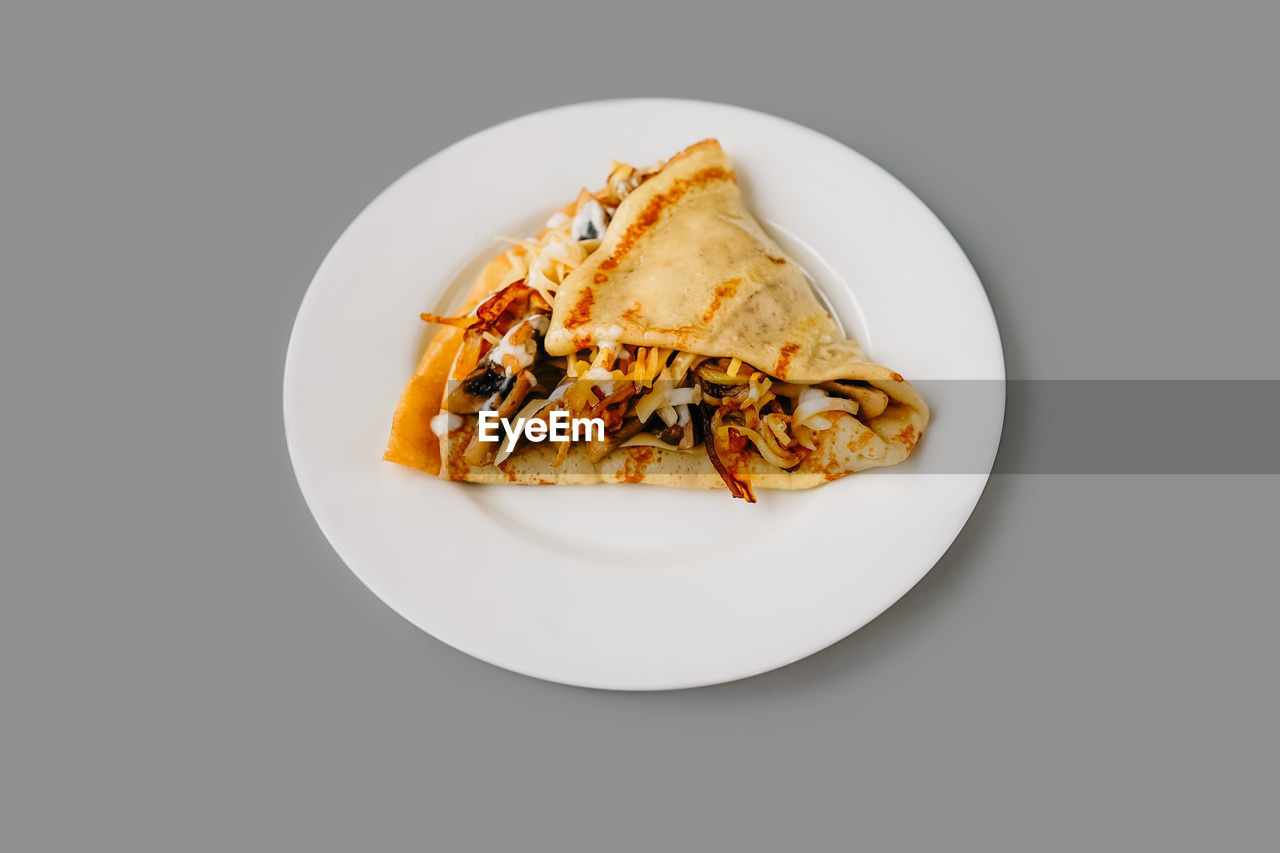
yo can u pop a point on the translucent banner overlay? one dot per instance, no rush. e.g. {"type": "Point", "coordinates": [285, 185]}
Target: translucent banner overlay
{"type": "Point", "coordinates": [1044, 427]}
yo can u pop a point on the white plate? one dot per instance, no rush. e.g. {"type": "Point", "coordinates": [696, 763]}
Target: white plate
{"type": "Point", "coordinates": [614, 586]}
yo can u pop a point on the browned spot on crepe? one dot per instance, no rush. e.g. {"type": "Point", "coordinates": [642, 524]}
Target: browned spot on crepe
{"type": "Point", "coordinates": [638, 459]}
{"type": "Point", "coordinates": [784, 359]}
{"type": "Point", "coordinates": [684, 335]}
{"type": "Point", "coordinates": [856, 444]}
{"type": "Point", "coordinates": [581, 312]}
{"type": "Point", "coordinates": [908, 436]}
{"type": "Point", "coordinates": [457, 466]}
{"type": "Point", "coordinates": [723, 290]}
{"type": "Point", "coordinates": [775, 258]}
{"type": "Point", "coordinates": [654, 209]}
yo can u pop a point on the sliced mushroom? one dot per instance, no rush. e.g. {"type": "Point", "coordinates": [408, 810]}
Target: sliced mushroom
{"type": "Point", "coordinates": [871, 401]}
{"type": "Point", "coordinates": [519, 391]}
{"type": "Point", "coordinates": [495, 375]}
{"type": "Point", "coordinates": [487, 382]}
{"type": "Point", "coordinates": [672, 434]}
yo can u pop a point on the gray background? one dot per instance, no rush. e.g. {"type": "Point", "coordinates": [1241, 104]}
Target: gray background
{"type": "Point", "coordinates": [186, 664]}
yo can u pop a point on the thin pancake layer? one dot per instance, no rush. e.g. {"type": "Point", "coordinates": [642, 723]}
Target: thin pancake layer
{"type": "Point", "coordinates": [685, 265]}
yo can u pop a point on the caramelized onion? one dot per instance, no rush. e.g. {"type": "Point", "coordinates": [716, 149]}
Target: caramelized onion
{"type": "Point", "coordinates": [461, 322]}
{"type": "Point", "coordinates": [491, 310]}
{"type": "Point", "coordinates": [738, 487]}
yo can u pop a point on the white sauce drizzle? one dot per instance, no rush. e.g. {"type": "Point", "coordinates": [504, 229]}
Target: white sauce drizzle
{"type": "Point", "coordinates": [588, 223]}
{"type": "Point", "coordinates": [445, 422]}
{"type": "Point", "coordinates": [520, 352]}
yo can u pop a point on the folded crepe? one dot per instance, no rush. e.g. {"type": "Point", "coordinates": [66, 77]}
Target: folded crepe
{"type": "Point", "coordinates": [659, 305]}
